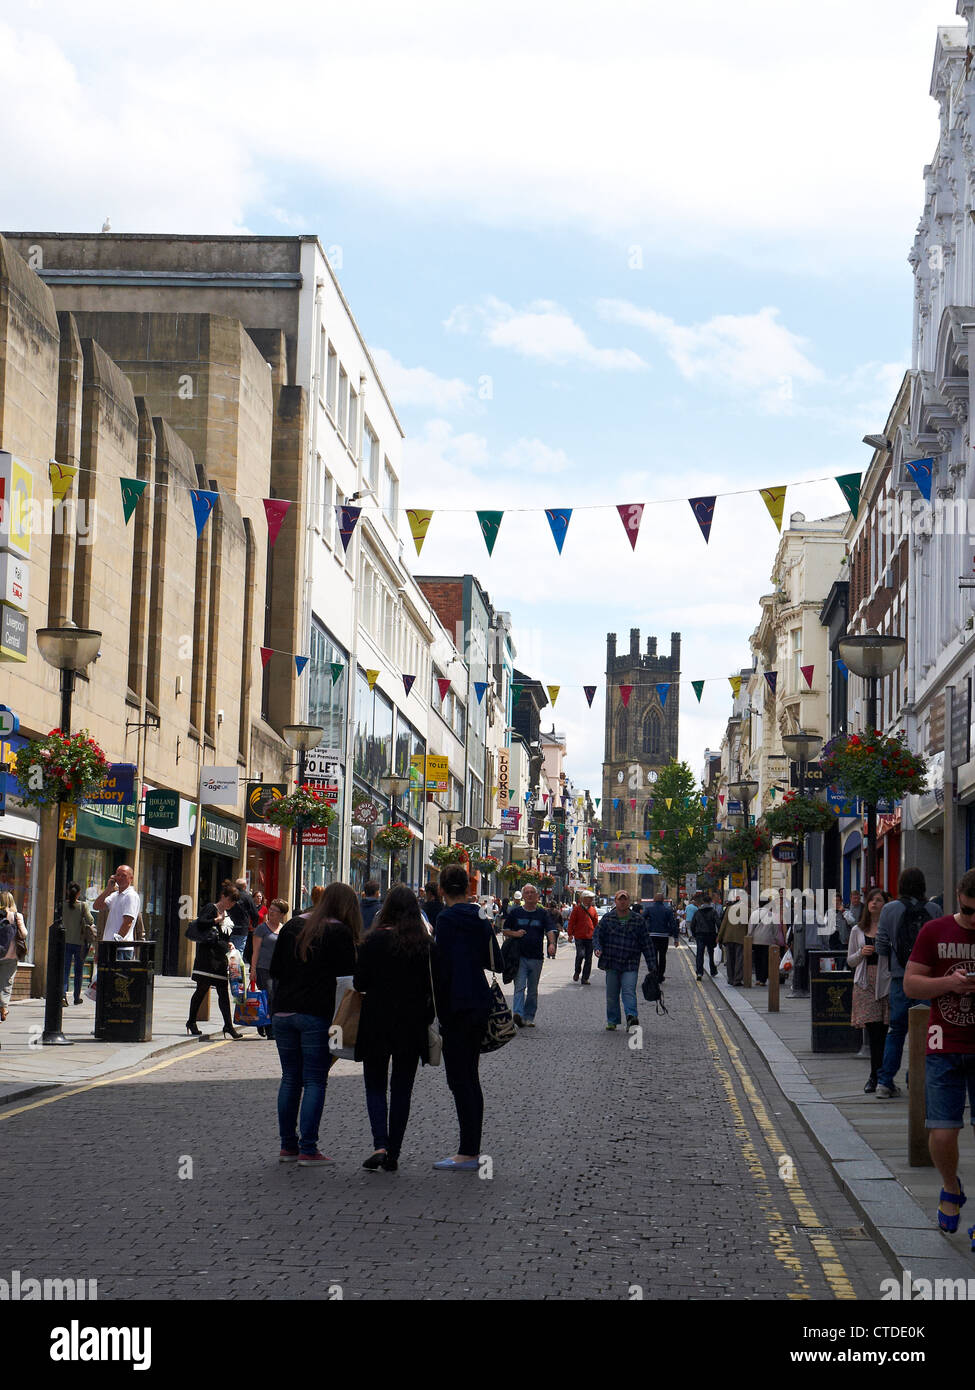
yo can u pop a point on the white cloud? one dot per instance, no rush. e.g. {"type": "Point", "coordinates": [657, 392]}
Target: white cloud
{"type": "Point", "coordinates": [417, 386]}
{"type": "Point", "coordinates": [543, 331]}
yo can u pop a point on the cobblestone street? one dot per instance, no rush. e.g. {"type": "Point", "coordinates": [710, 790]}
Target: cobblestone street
{"type": "Point", "coordinates": [674, 1171]}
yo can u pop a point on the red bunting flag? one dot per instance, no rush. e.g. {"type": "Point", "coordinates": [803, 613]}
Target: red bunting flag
{"type": "Point", "coordinates": [807, 671]}
{"type": "Point", "coordinates": [275, 510]}
{"type": "Point", "coordinates": [590, 691]}
{"type": "Point", "coordinates": [632, 803]}
{"type": "Point", "coordinates": [266, 653]}
{"type": "Point", "coordinates": [631, 514]}
{"type": "Point", "coordinates": [443, 685]}
{"type": "Point", "coordinates": [625, 692]}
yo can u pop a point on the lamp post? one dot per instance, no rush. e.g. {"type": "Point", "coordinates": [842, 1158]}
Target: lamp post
{"type": "Point", "coordinates": [395, 786]}
{"type": "Point", "coordinates": [451, 815]}
{"type": "Point", "coordinates": [872, 657]}
{"type": "Point", "coordinates": [801, 748]}
{"type": "Point", "coordinates": [68, 649]}
{"type": "Point", "coordinates": [301, 737]}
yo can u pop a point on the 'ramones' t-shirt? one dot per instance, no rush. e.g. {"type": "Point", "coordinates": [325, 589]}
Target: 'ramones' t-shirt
{"type": "Point", "coordinates": [948, 949]}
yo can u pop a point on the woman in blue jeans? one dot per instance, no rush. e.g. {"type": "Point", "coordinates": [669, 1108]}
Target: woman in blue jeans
{"type": "Point", "coordinates": [310, 954]}
{"type": "Point", "coordinates": [621, 938]}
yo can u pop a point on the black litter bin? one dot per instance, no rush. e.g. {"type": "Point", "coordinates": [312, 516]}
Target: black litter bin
{"type": "Point", "coordinates": [123, 993]}
{"type": "Point", "coordinates": [831, 996]}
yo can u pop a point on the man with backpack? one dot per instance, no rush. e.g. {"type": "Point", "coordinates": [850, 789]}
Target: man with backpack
{"type": "Point", "coordinates": [900, 922]}
{"type": "Point", "coordinates": [705, 924]}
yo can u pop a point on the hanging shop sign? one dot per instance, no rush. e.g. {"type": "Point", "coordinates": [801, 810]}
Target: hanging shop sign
{"type": "Point", "coordinates": [257, 795]}
{"type": "Point", "coordinates": [13, 634]}
{"type": "Point", "coordinates": [16, 506]}
{"type": "Point", "coordinates": [961, 723]}
{"type": "Point", "coordinates": [117, 788]}
{"type": "Point", "coordinates": [218, 786]}
{"type": "Point", "coordinates": [504, 771]}
{"type": "Point", "coordinates": [786, 852]}
{"type": "Point", "coordinates": [14, 580]}
{"type": "Point", "coordinates": [161, 810]}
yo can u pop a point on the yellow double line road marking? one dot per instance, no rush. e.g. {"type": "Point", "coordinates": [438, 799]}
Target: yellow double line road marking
{"type": "Point", "coordinates": [832, 1267]}
{"type": "Point", "coordinates": [108, 1081]}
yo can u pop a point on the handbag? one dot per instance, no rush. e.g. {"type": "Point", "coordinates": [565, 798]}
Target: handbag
{"type": "Point", "coordinates": [434, 1040]}
{"type": "Point", "coordinates": [500, 1024]}
{"type": "Point", "coordinates": [250, 1010]}
{"type": "Point", "coordinates": [347, 1019]}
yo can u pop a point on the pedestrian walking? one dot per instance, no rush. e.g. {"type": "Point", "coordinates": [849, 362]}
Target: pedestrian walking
{"type": "Point", "coordinates": [870, 1007]}
{"type": "Point", "coordinates": [731, 938]}
{"type": "Point", "coordinates": [243, 917]}
{"type": "Point", "coordinates": [583, 921]}
{"type": "Point", "coordinates": [393, 975]}
{"type": "Point", "coordinates": [901, 922]}
{"type": "Point", "coordinates": [311, 954]}
{"type": "Point", "coordinates": [621, 938]}
{"type": "Point", "coordinates": [765, 930]}
{"type": "Point", "coordinates": [265, 938]}
{"type": "Point", "coordinates": [941, 970]}
{"type": "Point", "coordinates": [213, 932]}
{"type": "Point", "coordinates": [432, 902]}
{"type": "Point", "coordinates": [662, 925]}
{"type": "Point", "coordinates": [531, 926]}
{"type": "Point", "coordinates": [464, 947]}
{"type": "Point", "coordinates": [13, 946]}
{"type": "Point", "coordinates": [810, 930]}
{"type": "Point", "coordinates": [369, 903]}
{"type": "Point", "coordinates": [704, 925]}
{"type": "Point", "coordinates": [79, 934]}
{"type": "Point", "coordinates": [261, 905]}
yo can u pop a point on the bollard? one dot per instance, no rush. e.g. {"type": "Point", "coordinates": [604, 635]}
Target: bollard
{"type": "Point", "coordinates": [917, 1039]}
{"type": "Point", "coordinates": [746, 963]}
{"type": "Point", "coordinates": [203, 1013]}
{"type": "Point", "coordinates": [773, 979]}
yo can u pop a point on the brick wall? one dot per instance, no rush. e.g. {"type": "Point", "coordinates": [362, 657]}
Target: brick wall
{"type": "Point", "coordinates": [446, 597]}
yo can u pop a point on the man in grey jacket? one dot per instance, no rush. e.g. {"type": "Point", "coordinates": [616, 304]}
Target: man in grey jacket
{"type": "Point", "coordinates": [911, 893]}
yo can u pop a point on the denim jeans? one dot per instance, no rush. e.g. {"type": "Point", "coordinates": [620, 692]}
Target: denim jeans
{"type": "Point", "coordinates": [900, 1007]}
{"type": "Point", "coordinates": [620, 982]}
{"type": "Point", "coordinates": [74, 952]}
{"type": "Point", "coordinates": [302, 1041]}
{"type": "Point", "coordinates": [526, 989]}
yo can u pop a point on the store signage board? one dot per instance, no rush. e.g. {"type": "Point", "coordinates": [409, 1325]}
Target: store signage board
{"type": "Point", "coordinates": [961, 723]}
{"type": "Point", "coordinates": [14, 580]}
{"type": "Point", "coordinates": [16, 506]}
{"type": "Point", "coordinates": [256, 797]}
{"type": "Point", "coordinates": [218, 786]}
{"type": "Point", "coordinates": [13, 634]}
{"type": "Point", "coordinates": [117, 788]}
{"type": "Point", "coordinates": [323, 764]}
{"type": "Point", "coordinates": [161, 810]}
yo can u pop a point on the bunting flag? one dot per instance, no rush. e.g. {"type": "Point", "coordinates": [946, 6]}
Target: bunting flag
{"type": "Point", "coordinates": [408, 683]}
{"type": "Point", "coordinates": [698, 689]}
{"type": "Point", "coordinates": [275, 511]}
{"type": "Point", "coordinates": [516, 694]}
{"type": "Point", "coordinates": [631, 514]}
{"type": "Point", "coordinates": [703, 509]}
{"type": "Point", "coordinates": [372, 677]}
{"type": "Point", "coordinates": [721, 798]}
{"type": "Point", "coordinates": [301, 662]}
{"type": "Point", "coordinates": [62, 475]}
{"type": "Point", "coordinates": [266, 653]}
{"type": "Point", "coordinates": [490, 523]}
{"type": "Point", "coordinates": [558, 519]}
{"type": "Point", "coordinates": [511, 793]}
{"type": "Point", "coordinates": [843, 669]}
{"type": "Point", "coordinates": [704, 802]}
{"type": "Point", "coordinates": [203, 505]}
{"type": "Point", "coordinates": [632, 803]}
{"type": "Point", "coordinates": [735, 682]}
{"type": "Point", "coordinates": [774, 499]}
{"type": "Point", "coordinates": [596, 803]}
{"type": "Point", "coordinates": [662, 690]}
{"type": "Point", "coordinates": [618, 834]}
{"type": "Point", "coordinates": [336, 669]}
{"type": "Point", "coordinates": [616, 802]}
{"type": "Point", "coordinates": [553, 693]}
{"type": "Point", "coordinates": [807, 671]}
{"type": "Point", "coordinates": [668, 802]}
{"type": "Point", "coordinates": [850, 488]}
{"type": "Point", "coordinates": [132, 490]}
{"type": "Point", "coordinates": [589, 691]}
{"type": "Point", "coordinates": [662, 833]}
{"type": "Point", "coordinates": [625, 692]}
{"type": "Point", "coordinates": [772, 678]}
{"type": "Point", "coordinates": [921, 470]}
{"type": "Point", "coordinates": [419, 525]}
{"type": "Point", "coordinates": [443, 685]}
{"type": "Point", "coordinates": [479, 689]}
{"type": "Point", "coordinates": [690, 830]}
{"type": "Point", "coordinates": [348, 516]}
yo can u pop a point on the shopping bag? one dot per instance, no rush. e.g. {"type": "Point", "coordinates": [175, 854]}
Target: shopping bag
{"type": "Point", "coordinates": [347, 1020]}
{"type": "Point", "coordinates": [250, 1010]}
{"type": "Point", "coordinates": [501, 1026]}
{"type": "Point", "coordinates": [786, 961]}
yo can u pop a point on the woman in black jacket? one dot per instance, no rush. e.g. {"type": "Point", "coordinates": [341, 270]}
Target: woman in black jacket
{"type": "Point", "coordinates": [464, 947]}
{"type": "Point", "coordinates": [392, 973]}
{"type": "Point", "coordinates": [311, 953]}
{"type": "Point", "coordinates": [212, 931]}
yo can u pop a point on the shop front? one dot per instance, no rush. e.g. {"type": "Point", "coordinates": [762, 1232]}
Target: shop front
{"type": "Point", "coordinates": [220, 852]}
{"type": "Point", "coordinates": [263, 860]}
{"type": "Point", "coordinates": [852, 859]}
{"type": "Point", "coordinates": [19, 835]}
{"type": "Point", "coordinates": [104, 837]}
{"type": "Point", "coordinates": [160, 881]}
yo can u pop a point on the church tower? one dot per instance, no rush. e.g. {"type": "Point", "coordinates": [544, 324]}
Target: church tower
{"type": "Point", "coordinates": [641, 738]}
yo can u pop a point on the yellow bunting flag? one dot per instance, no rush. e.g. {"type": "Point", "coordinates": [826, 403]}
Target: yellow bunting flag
{"type": "Point", "coordinates": [419, 525]}
{"type": "Point", "coordinates": [618, 834]}
{"type": "Point", "coordinates": [372, 677]}
{"type": "Point", "coordinates": [774, 499]}
{"type": "Point", "coordinates": [553, 693]}
{"type": "Point", "coordinates": [735, 683]}
{"type": "Point", "coordinates": [62, 475]}
{"type": "Point", "coordinates": [668, 802]}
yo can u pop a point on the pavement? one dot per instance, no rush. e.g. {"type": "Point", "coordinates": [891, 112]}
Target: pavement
{"type": "Point", "coordinates": [863, 1136]}
{"type": "Point", "coordinates": [662, 1165]}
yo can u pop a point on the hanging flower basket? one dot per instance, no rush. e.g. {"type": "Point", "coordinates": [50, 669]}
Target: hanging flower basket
{"type": "Point", "coordinates": [873, 767]}
{"type": "Point", "coordinates": [442, 855]}
{"type": "Point", "coordinates": [60, 767]}
{"type": "Point", "coordinates": [394, 837]}
{"type": "Point", "coordinates": [303, 809]}
{"type": "Point", "coordinates": [546, 882]}
{"type": "Point", "coordinates": [796, 817]}
{"type": "Point", "coordinates": [485, 864]}
{"type": "Point", "coordinates": [747, 846]}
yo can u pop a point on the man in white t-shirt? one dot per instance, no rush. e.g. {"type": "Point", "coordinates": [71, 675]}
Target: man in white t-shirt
{"type": "Point", "coordinates": [123, 904]}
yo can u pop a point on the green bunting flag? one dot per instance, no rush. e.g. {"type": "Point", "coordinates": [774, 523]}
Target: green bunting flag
{"type": "Point", "coordinates": [698, 687]}
{"type": "Point", "coordinates": [490, 523]}
{"type": "Point", "coordinates": [516, 693]}
{"type": "Point", "coordinates": [850, 488]}
{"type": "Point", "coordinates": [132, 490]}
{"type": "Point", "coordinates": [336, 668]}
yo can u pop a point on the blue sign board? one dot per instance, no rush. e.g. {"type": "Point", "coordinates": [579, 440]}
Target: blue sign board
{"type": "Point", "coordinates": [117, 788]}
{"type": "Point", "coordinates": [733, 808]}
{"type": "Point", "coordinates": [847, 806]}
{"type": "Point", "coordinates": [10, 745]}
{"type": "Point", "coordinates": [545, 845]}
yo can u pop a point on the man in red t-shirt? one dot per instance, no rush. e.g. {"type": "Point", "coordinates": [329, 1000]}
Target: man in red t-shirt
{"type": "Point", "coordinates": [942, 968]}
{"type": "Point", "coordinates": [583, 921]}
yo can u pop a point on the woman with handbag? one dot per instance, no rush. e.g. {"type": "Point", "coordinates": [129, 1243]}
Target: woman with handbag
{"type": "Point", "coordinates": [212, 933]}
{"type": "Point", "coordinates": [392, 973]}
{"type": "Point", "coordinates": [870, 1008]}
{"type": "Point", "coordinates": [464, 947]}
{"type": "Point", "coordinates": [13, 948]}
{"type": "Point", "coordinates": [79, 934]}
{"type": "Point", "coordinates": [312, 952]}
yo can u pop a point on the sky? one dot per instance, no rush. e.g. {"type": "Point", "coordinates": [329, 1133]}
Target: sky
{"type": "Point", "coordinates": [631, 254]}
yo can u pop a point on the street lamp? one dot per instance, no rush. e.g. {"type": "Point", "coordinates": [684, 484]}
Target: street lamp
{"type": "Point", "coordinates": [68, 649]}
{"type": "Point", "coordinates": [395, 786]}
{"type": "Point", "coordinates": [872, 657]}
{"type": "Point", "coordinates": [301, 737]}
{"type": "Point", "coordinates": [801, 748]}
{"type": "Point", "coordinates": [451, 815]}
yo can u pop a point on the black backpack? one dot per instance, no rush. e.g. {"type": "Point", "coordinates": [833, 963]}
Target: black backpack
{"type": "Point", "coordinates": [652, 992]}
{"type": "Point", "coordinates": [912, 920]}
